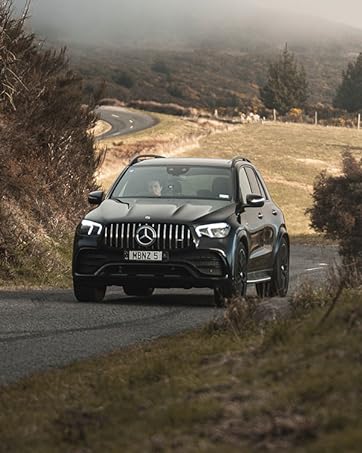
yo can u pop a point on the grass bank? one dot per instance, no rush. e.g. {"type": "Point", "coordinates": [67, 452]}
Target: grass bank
{"type": "Point", "coordinates": [289, 157]}
{"type": "Point", "coordinates": [289, 385]}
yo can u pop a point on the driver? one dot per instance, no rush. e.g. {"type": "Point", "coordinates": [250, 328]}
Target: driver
{"type": "Point", "coordinates": [154, 188]}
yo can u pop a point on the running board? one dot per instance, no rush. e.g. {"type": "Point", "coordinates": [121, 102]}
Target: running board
{"type": "Point", "coordinates": [258, 277]}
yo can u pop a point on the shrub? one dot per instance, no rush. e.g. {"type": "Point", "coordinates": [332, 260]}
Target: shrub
{"type": "Point", "coordinates": [337, 208]}
{"type": "Point", "coordinates": [47, 156]}
{"type": "Point", "coordinates": [124, 79]}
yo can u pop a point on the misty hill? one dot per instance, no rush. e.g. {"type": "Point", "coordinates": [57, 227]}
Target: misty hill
{"type": "Point", "coordinates": [214, 54]}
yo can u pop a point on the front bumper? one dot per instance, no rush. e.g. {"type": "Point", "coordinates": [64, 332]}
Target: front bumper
{"type": "Point", "coordinates": [200, 268]}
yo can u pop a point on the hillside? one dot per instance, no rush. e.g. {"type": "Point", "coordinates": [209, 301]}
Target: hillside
{"type": "Point", "coordinates": [198, 54]}
{"type": "Point", "coordinates": [205, 78]}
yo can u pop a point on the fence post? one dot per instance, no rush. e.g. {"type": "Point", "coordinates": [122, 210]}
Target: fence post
{"type": "Point", "coordinates": [274, 115]}
{"type": "Point", "coordinates": [315, 118]}
{"type": "Point", "coordinates": [359, 121]}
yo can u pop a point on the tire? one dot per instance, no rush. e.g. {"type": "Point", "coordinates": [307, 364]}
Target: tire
{"type": "Point", "coordinates": [237, 287]}
{"type": "Point", "coordinates": [278, 286]}
{"type": "Point", "coordinates": [88, 294]}
{"type": "Point", "coordinates": [138, 292]}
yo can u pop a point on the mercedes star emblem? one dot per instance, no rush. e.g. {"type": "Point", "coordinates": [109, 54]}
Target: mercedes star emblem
{"type": "Point", "coordinates": [146, 236]}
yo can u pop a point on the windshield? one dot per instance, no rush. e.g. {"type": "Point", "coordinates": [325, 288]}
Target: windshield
{"type": "Point", "coordinates": [177, 181]}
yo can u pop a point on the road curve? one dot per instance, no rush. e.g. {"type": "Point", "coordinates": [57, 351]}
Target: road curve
{"type": "Point", "coordinates": [48, 328]}
{"type": "Point", "coordinates": [123, 121]}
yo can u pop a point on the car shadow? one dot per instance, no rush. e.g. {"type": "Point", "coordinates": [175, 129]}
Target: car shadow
{"type": "Point", "coordinates": [163, 299]}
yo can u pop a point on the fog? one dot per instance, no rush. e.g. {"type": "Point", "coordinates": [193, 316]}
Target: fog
{"type": "Point", "coordinates": [191, 22]}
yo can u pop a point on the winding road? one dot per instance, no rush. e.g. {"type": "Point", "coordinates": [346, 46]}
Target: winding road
{"type": "Point", "coordinates": [123, 121]}
{"type": "Point", "coordinates": [48, 328]}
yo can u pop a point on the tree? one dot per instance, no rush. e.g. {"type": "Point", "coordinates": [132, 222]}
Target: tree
{"type": "Point", "coordinates": [286, 85]}
{"type": "Point", "coordinates": [337, 208]}
{"type": "Point", "coordinates": [349, 92]}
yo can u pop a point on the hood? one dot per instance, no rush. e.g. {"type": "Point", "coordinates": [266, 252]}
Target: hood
{"type": "Point", "coordinates": [162, 211]}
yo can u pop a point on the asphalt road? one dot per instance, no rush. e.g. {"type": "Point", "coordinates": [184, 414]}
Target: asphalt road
{"type": "Point", "coordinates": [123, 121]}
{"type": "Point", "coordinates": [48, 328]}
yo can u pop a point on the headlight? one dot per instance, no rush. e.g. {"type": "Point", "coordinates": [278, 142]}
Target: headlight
{"type": "Point", "coordinates": [213, 230]}
{"type": "Point", "coordinates": [90, 228]}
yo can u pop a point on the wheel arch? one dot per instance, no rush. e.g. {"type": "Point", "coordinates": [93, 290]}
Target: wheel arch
{"type": "Point", "coordinates": [282, 234]}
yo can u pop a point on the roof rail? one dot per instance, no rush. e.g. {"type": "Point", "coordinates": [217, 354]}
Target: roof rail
{"type": "Point", "coordinates": [142, 157]}
{"type": "Point", "coordinates": [237, 158]}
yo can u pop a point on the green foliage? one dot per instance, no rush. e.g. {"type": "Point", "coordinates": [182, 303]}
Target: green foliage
{"type": "Point", "coordinates": [175, 90]}
{"type": "Point", "coordinates": [337, 207]}
{"type": "Point", "coordinates": [124, 79]}
{"type": "Point", "coordinates": [286, 86]}
{"type": "Point", "coordinates": [349, 92]}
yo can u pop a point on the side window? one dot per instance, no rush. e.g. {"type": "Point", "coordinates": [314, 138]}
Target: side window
{"type": "Point", "coordinates": [253, 181]}
{"type": "Point", "coordinates": [244, 184]}
{"type": "Point", "coordinates": [263, 192]}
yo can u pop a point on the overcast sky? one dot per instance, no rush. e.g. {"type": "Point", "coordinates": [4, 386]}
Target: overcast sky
{"type": "Point", "coordinates": [139, 19]}
{"type": "Point", "coordinates": [345, 11]}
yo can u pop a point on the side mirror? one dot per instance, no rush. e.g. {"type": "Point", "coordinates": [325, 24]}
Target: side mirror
{"type": "Point", "coordinates": [255, 201]}
{"type": "Point", "coordinates": [96, 197]}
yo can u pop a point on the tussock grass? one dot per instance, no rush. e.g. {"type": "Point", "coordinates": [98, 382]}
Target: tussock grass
{"type": "Point", "coordinates": [287, 385]}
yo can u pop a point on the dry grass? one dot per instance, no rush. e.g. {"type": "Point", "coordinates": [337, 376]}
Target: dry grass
{"type": "Point", "coordinates": [289, 157]}
{"type": "Point", "coordinates": [100, 128]}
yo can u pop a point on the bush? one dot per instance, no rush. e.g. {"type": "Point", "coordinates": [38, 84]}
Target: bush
{"type": "Point", "coordinates": [47, 156]}
{"type": "Point", "coordinates": [124, 79]}
{"type": "Point", "coordinates": [337, 208]}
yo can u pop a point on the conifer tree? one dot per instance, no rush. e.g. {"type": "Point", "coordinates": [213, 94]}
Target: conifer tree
{"type": "Point", "coordinates": [349, 93]}
{"type": "Point", "coordinates": [286, 86]}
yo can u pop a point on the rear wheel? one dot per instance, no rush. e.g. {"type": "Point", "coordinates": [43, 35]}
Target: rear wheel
{"type": "Point", "coordinates": [278, 285]}
{"type": "Point", "coordinates": [138, 291]}
{"type": "Point", "coordinates": [89, 294]}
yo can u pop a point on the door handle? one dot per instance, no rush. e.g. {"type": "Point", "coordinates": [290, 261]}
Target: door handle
{"type": "Point", "coordinates": [260, 215]}
{"type": "Point", "coordinates": [274, 212]}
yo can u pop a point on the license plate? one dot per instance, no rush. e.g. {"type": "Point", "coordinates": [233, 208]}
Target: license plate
{"type": "Point", "coordinates": [135, 255]}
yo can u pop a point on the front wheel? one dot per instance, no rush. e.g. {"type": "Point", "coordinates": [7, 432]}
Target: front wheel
{"type": "Point", "coordinates": [88, 294]}
{"type": "Point", "coordinates": [238, 285]}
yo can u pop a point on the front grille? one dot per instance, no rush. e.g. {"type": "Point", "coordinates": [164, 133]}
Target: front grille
{"type": "Point", "coordinates": [169, 236]}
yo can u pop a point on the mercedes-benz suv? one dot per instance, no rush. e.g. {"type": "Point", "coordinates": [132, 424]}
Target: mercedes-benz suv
{"type": "Point", "coordinates": [182, 223]}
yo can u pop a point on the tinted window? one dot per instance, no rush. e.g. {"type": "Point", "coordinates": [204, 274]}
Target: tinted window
{"type": "Point", "coordinates": [263, 192]}
{"type": "Point", "coordinates": [175, 182]}
{"type": "Point", "coordinates": [244, 184]}
{"type": "Point", "coordinates": [253, 181]}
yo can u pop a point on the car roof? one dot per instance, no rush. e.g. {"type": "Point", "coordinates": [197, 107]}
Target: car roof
{"type": "Point", "coordinates": [196, 161]}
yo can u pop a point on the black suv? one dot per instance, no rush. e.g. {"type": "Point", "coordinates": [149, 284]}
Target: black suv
{"type": "Point", "coordinates": [183, 223]}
